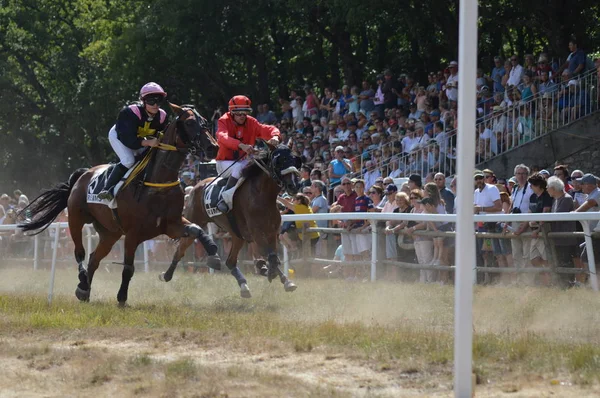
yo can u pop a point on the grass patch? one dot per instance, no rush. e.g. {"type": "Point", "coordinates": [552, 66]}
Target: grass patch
{"type": "Point", "coordinates": [528, 330]}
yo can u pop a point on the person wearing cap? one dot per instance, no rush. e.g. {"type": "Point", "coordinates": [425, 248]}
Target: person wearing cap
{"type": "Point", "coordinates": [391, 252]}
{"type": "Point", "coordinates": [577, 192]}
{"type": "Point", "coordinates": [338, 166]}
{"type": "Point", "coordinates": [345, 204]}
{"type": "Point", "coordinates": [414, 113]}
{"type": "Point", "coordinates": [452, 82]}
{"type": "Point", "coordinates": [135, 130]}
{"type": "Point", "coordinates": [589, 187]}
{"type": "Point", "coordinates": [545, 174]}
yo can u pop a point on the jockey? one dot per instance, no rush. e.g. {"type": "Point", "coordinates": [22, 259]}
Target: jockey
{"type": "Point", "coordinates": [134, 131]}
{"type": "Point", "coordinates": [237, 132]}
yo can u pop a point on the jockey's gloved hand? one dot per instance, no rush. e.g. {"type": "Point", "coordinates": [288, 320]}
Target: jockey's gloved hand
{"type": "Point", "coordinates": [274, 141]}
{"type": "Point", "coordinates": [246, 148]}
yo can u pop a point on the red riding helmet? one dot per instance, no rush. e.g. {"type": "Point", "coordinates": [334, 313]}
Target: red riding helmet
{"type": "Point", "coordinates": [240, 103]}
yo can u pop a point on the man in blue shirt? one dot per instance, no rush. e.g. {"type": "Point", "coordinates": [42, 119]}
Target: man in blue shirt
{"type": "Point", "coordinates": [497, 74]}
{"type": "Point", "coordinates": [575, 61]}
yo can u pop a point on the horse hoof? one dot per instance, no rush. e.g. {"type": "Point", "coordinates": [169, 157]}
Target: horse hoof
{"type": "Point", "coordinates": [214, 262]}
{"type": "Point", "coordinates": [123, 304]}
{"type": "Point", "coordinates": [245, 291]}
{"type": "Point", "coordinates": [82, 295]}
{"type": "Point", "coordinates": [163, 278]}
{"type": "Point", "coordinates": [289, 286]}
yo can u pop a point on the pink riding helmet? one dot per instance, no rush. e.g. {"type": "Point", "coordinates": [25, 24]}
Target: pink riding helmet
{"type": "Point", "coordinates": [152, 88]}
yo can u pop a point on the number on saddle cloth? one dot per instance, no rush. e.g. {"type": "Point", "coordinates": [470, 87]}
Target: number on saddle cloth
{"type": "Point", "coordinates": [212, 196]}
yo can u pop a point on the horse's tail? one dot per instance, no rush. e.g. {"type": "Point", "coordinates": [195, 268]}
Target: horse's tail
{"type": "Point", "coordinates": [45, 208]}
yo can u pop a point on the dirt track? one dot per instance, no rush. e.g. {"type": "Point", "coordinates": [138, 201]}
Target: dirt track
{"type": "Point", "coordinates": [148, 367]}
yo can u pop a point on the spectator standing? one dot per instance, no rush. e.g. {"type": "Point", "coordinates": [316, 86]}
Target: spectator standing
{"type": "Point", "coordinates": [445, 193]}
{"type": "Point", "coordinates": [296, 105]}
{"type": "Point", "coordinates": [515, 73]}
{"type": "Point", "coordinates": [520, 198]}
{"type": "Point", "coordinates": [561, 171]}
{"type": "Point", "coordinates": [390, 99]}
{"type": "Point", "coordinates": [366, 97]}
{"type": "Point", "coordinates": [575, 63]}
{"type": "Point", "coordinates": [312, 102]}
{"type": "Point", "coordinates": [452, 82]}
{"type": "Point", "coordinates": [497, 74]}
{"type": "Point", "coordinates": [379, 100]}
{"type": "Point", "coordinates": [566, 248]}
{"type": "Point", "coordinates": [338, 167]}
{"type": "Point", "coordinates": [539, 202]}
{"type": "Point", "coordinates": [371, 175]}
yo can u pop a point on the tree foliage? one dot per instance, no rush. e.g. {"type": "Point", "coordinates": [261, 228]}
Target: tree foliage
{"type": "Point", "coordinates": [67, 66]}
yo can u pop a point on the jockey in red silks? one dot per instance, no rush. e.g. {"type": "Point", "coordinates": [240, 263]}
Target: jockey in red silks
{"type": "Point", "coordinates": [236, 134]}
{"type": "Point", "coordinates": [134, 131]}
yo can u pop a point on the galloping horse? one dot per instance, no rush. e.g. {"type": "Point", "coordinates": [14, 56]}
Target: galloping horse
{"type": "Point", "coordinates": [144, 211]}
{"type": "Point", "coordinates": [255, 214]}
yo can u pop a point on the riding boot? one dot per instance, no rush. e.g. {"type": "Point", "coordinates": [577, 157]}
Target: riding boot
{"type": "Point", "coordinates": [223, 206]}
{"type": "Point", "coordinates": [109, 187]}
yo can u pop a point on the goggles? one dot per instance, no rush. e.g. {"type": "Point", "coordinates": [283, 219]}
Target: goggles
{"type": "Point", "coordinates": [240, 113]}
{"type": "Point", "coordinates": [155, 100]}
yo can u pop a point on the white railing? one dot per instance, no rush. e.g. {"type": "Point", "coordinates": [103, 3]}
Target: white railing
{"type": "Point", "coordinates": [583, 218]}
{"type": "Point", "coordinates": [501, 131]}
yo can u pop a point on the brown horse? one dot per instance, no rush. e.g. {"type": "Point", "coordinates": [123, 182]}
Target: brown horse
{"type": "Point", "coordinates": [145, 210]}
{"type": "Point", "coordinates": [255, 214]}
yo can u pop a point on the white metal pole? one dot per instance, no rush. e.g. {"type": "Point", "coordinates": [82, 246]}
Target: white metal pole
{"type": "Point", "coordinates": [88, 229]}
{"type": "Point", "coordinates": [286, 261]}
{"type": "Point", "coordinates": [36, 246]}
{"type": "Point", "coordinates": [465, 234]}
{"type": "Point", "coordinates": [373, 251]}
{"type": "Point", "coordinates": [589, 250]}
{"type": "Point", "coordinates": [146, 265]}
{"type": "Point", "coordinates": [53, 270]}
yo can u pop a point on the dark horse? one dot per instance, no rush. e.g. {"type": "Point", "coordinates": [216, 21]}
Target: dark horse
{"type": "Point", "coordinates": [145, 210]}
{"type": "Point", "coordinates": [255, 213]}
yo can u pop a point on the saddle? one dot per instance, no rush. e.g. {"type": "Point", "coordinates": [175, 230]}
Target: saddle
{"type": "Point", "coordinates": [98, 182]}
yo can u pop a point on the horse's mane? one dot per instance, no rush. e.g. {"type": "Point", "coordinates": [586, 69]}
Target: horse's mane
{"type": "Point", "coordinates": [251, 171]}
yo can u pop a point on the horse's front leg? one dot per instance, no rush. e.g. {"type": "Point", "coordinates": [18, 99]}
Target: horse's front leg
{"type": "Point", "coordinates": [236, 245]}
{"type": "Point", "coordinates": [182, 246]}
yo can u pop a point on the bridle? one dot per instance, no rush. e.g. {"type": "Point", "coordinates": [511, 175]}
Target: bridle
{"type": "Point", "coordinates": [268, 165]}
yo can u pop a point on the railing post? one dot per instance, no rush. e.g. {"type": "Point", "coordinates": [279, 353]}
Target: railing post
{"type": "Point", "coordinates": [88, 229]}
{"type": "Point", "coordinates": [589, 249]}
{"type": "Point", "coordinates": [373, 251]}
{"type": "Point", "coordinates": [286, 261]}
{"type": "Point", "coordinates": [53, 270]}
{"type": "Point", "coordinates": [146, 263]}
{"type": "Point", "coordinates": [36, 246]}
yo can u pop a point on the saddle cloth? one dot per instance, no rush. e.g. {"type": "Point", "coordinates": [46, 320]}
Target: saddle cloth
{"type": "Point", "coordinates": [97, 184]}
{"type": "Point", "coordinates": [212, 196]}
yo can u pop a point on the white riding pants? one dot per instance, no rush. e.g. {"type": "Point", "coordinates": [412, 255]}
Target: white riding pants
{"type": "Point", "coordinates": [126, 155]}
{"type": "Point", "coordinates": [235, 171]}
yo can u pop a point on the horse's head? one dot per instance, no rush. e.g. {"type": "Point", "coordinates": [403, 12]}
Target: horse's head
{"type": "Point", "coordinates": [285, 166]}
{"type": "Point", "coordinates": [193, 132]}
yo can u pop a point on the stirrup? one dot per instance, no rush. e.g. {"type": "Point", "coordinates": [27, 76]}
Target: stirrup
{"type": "Point", "coordinates": [222, 206]}
{"type": "Point", "coordinates": [105, 195]}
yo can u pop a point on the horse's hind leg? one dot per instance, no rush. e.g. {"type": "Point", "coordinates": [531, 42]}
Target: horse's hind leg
{"type": "Point", "coordinates": [236, 245]}
{"type": "Point", "coordinates": [131, 245]}
{"type": "Point", "coordinates": [182, 246]}
{"type": "Point", "coordinates": [275, 271]}
{"type": "Point", "coordinates": [105, 244]}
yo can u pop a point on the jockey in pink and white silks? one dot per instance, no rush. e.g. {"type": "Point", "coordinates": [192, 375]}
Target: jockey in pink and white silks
{"type": "Point", "coordinates": [136, 127]}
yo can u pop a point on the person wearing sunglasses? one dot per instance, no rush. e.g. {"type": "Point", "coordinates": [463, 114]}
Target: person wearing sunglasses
{"type": "Point", "coordinates": [237, 132]}
{"type": "Point", "coordinates": [134, 131]}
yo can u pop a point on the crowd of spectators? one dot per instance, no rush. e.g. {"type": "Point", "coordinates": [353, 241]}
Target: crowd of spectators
{"type": "Point", "coordinates": [529, 190]}
{"type": "Point", "coordinates": [395, 126]}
